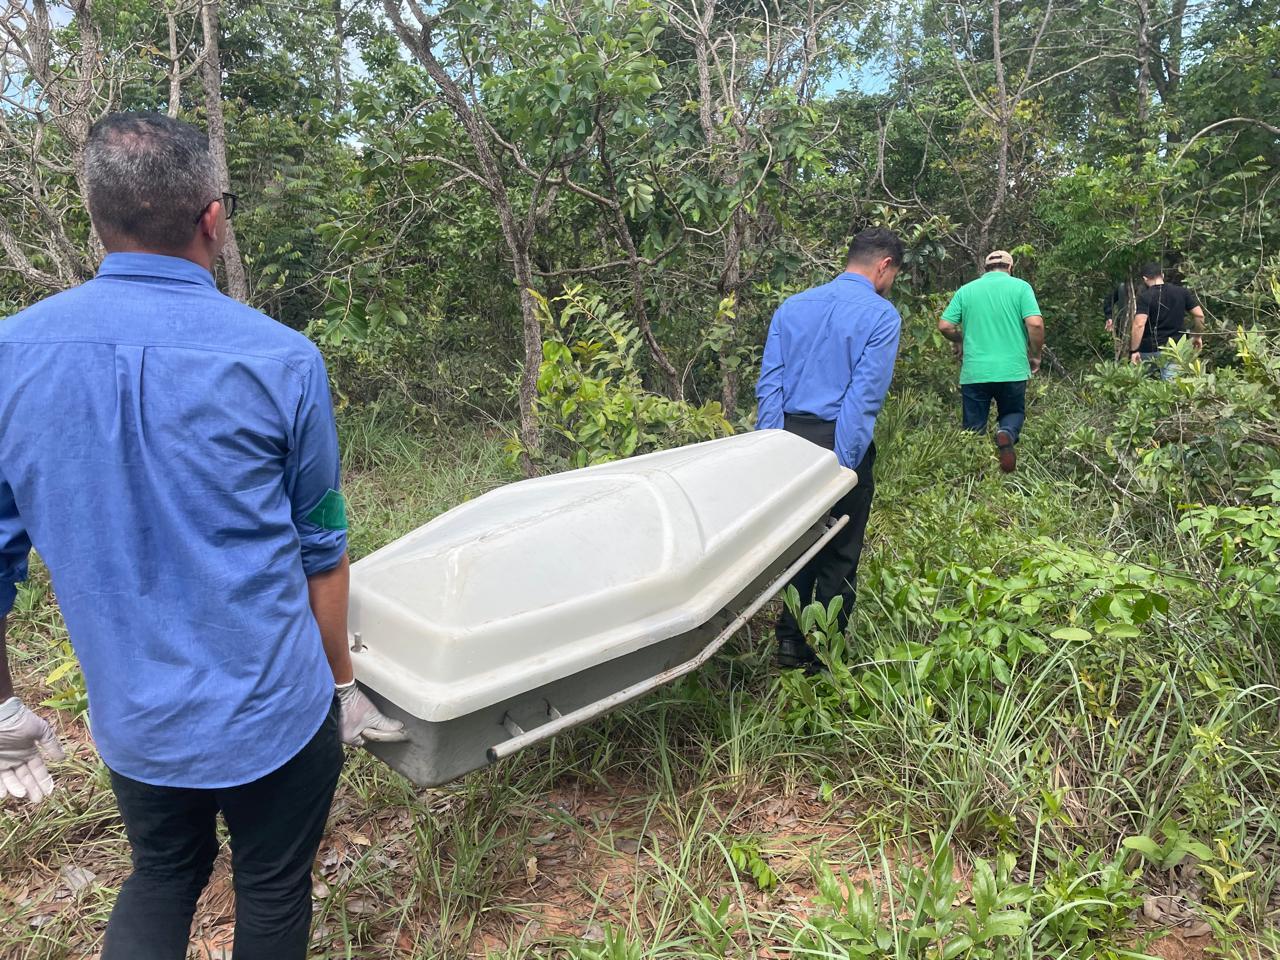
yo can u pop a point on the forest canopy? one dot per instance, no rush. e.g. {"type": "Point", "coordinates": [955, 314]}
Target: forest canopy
{"type": "Point", "coordinates": [434, 190]}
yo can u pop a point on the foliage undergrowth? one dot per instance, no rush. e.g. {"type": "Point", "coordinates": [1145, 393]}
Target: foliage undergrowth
{"type": "Point", "coordinates": [592, 399]}
{"type": "Point", "coordinates": [1055, 703]}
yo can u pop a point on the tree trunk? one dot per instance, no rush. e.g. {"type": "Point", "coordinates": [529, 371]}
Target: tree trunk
{"type": "Point", "coordinates": [75, 126]}
{"type": "Point", "coordinates": [530, 431]}
{"type": "Point", "coordinates": [490, 174]}
{"type": "Point", "coordinates": [339, 57]}
{"type": "Point", "coordinates": [211, 75]}
{"type": "Point", "coordinates": [1173, 64]}
{"type": "Point", "coordinates": [1004, 121]}
{"type": "Point", "coordinates": [175, 68]}
{"type": "Point", "coordinates": [1144, 65]}
{"type": "Point", "coordinates": [730, 281]}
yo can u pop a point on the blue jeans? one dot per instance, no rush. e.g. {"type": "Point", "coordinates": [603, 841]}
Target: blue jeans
{"type": "Point", "coordinates": [1011, 405]}
{"type": "Point", "coordinates": [1166, 369]}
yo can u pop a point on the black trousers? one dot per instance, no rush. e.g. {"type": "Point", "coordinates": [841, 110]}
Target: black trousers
{"type": "Point", "coordinates": [275, 824]}
{"type": "Point", "coordinates": [834, 570]}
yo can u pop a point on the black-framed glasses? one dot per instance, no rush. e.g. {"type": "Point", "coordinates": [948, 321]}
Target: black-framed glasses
{"type": "Point", "coordinates": [229, 203]}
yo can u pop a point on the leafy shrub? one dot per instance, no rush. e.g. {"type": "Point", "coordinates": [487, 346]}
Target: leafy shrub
{"type": "Point", "coordinates": [923, 915]}
{"type": "Point", "coordinates": [1207, 435]}
{"type": "Point", "coordinates": [591, 393]}
{"type": "Point", "coordinates": [1205, 446]}
{"type": "Point", "coordinates": [977, 627]}
{"type": "Point", "coordinates": [1082, 904]}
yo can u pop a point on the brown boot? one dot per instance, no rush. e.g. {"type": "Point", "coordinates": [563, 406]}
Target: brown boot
{"type": "Point", "coordinates": [1004, 447]}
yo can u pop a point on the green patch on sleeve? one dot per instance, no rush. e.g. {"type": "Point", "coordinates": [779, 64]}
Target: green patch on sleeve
{"type": "Point", "coordinates": [331, 512]}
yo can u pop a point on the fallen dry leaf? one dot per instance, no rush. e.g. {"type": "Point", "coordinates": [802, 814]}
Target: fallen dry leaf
{"type": "Point", "coordinates": [76, 879]}
{"type": "Point", "coordinates": [1173, 912]}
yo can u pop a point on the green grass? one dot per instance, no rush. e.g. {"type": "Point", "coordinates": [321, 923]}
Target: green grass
{"type": "Point", "coordinates": [636, 837]}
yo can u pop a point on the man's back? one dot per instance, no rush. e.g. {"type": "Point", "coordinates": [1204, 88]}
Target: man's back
{"type": "Point", "coordinates": [160, 440]}
{"type": "Point", "coordinates": [991, 310]}
{"type": "Point", "coordinates": [824, 331]}
{"type": "Point", "coordinates": [1166, 306]}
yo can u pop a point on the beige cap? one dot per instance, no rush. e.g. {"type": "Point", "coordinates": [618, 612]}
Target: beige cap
{"type": "Point", "coordinates": [1000, 257]}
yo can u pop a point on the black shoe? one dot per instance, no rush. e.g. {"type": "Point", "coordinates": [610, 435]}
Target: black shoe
{"type": "Point", "coordinates": [797, 655]}
{"type": "Point", "coordinates": [1008, 456]}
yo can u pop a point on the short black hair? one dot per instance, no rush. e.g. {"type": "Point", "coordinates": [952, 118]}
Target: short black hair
{"type": "Point", "coordinates": [149, 178]}
{"type": "Point", "coordinates": [1152, 270]}
{"type": "Point", "coordinates": [875, 243]}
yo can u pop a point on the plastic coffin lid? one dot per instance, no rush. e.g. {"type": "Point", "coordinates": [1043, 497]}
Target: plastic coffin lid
{"type": "Point", "coordinates": [548, 594]}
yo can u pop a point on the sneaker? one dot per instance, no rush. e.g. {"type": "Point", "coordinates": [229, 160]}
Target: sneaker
{"type": "Point", "coordinates": [1008, 456]}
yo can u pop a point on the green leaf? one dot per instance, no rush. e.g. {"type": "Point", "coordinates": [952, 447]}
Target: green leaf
{"type": "Point", "coordinates": [1072, 634]}
{"type": "Point", "coordinates": [60, 671]}
{"type": "Point", "coordinates": [1144, 845]}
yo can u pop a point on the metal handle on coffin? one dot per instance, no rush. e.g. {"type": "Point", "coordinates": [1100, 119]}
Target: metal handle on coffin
{"type": "Point", "coordinates": [563, 722]}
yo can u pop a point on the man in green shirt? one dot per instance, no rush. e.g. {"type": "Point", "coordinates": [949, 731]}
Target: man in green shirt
{"type": "Point", "coordinates": [998, 331]}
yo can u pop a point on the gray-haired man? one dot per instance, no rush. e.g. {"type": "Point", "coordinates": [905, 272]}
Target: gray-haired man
{"type": "Point", "coordinates": [172, 455]}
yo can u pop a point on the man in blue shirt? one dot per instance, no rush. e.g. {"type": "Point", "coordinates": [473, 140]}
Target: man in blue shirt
{"type": "Point", "coordinates": [828, 361]}
{"type": "Point", "coordinates": [172, 455]}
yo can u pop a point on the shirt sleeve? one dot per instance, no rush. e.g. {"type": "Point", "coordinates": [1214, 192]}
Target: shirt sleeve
{"type": "Point", "coordinates": [955, 310]}
{"type": "Point", "coordinates": [313, 475]}
{"type": "Point", "coordinates": [1192, 302]}
{"type": "Point", "coordinates": [769, 394]}
{"type": "Point", "coordinates": [872, 374]}
{"type": "Point", "coordinates": [1030, 308]}
{"type": "Point", "coordinates": [15, 548]}
{"type": "Point", "coordinates": [1144, 303]}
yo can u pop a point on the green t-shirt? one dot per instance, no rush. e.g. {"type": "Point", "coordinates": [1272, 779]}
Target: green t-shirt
{"type": "Point", "coordinates": [990, 311]}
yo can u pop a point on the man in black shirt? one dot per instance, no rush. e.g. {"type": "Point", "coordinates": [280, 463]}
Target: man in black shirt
{"type": "Point", "coordinates": [1160, 316]}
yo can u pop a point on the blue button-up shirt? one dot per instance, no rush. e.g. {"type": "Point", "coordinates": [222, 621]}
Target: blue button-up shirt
{"type": "Point", "coordinates": [165, 449]}
{"type": "Point", "coordinates": [830, 353]}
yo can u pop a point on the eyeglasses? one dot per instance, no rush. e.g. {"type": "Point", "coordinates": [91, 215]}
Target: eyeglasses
{"type": "Point", "coordinates": [229, 202]}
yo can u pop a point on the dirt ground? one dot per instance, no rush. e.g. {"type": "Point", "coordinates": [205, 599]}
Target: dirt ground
{"type": "Point", "coordinates": [573, 881]}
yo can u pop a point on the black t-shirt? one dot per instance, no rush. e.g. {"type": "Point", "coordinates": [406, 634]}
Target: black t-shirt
{"type": "Point", "coordinates": [1166, 306]}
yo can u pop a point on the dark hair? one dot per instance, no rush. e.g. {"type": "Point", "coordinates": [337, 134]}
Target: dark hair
{"type": "Point", "coordinates": [874, 244]}
{"type": "Point", "coordinates": [1152, 270]}
{"type": "Point", "coordinates": [997, 266]}
{"type": "Point", "coordinates": [149, 178]}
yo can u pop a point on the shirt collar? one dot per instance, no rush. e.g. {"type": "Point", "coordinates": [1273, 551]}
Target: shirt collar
{"type": "Point", "coordinates": [859, 278]}
{"type": "Point", "coordinates": [154, 265]}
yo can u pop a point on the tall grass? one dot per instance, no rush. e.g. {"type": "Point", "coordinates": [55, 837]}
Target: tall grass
{"type": "Point", "coordinates": [638, 837]}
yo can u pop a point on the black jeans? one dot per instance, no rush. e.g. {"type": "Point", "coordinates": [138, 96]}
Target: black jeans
{"type": "Point", "coordinates": [834, 570]}
{"type": "Point", "coordinates": [1011, 405]}
{"type": "Point", "coordinates": [275, 824]}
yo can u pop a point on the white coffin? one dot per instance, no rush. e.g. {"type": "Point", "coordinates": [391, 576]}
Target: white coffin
{"type": "Point", "coordinates": [544, 578]}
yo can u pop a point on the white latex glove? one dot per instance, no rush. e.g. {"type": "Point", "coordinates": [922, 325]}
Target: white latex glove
{"type": "Point", "coordinates": [24, 738]}
{"type": "Point", "coordinates": [360, 720]}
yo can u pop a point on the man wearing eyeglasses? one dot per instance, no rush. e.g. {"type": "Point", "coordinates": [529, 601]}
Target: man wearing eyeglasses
{"type": "Point", "coordinates": [172, 456]}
